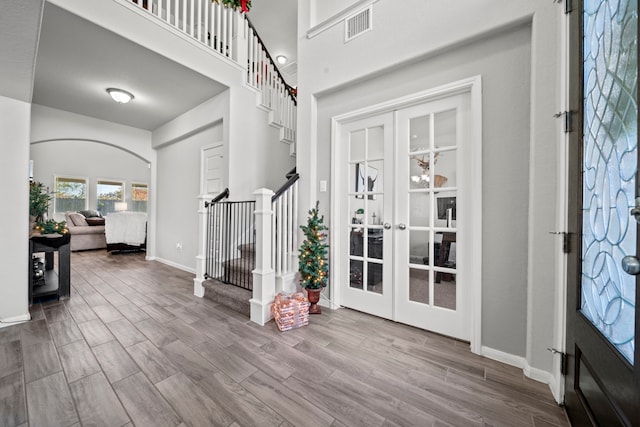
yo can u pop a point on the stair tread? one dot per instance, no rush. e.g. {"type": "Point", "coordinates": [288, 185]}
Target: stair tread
{"type": "Point", "coordinates": [231, 296]}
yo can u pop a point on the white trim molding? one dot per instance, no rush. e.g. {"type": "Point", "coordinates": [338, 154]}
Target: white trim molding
{"type": "Point", "coordinates": [521, 362]}
{"type": "Point", "coordinates": [14, 320]}
{"type": "Point", "coordinates": [172, 264]}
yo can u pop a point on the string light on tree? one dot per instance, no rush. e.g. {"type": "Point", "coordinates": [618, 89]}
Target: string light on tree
{"type": "Point", "coordinates": [313, 265]}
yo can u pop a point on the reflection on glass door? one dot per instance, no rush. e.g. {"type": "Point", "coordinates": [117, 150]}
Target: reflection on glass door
{"type": "Point", "coordinates": [427, 183]}
{"type": "Point", "coordinates": [369, 243]}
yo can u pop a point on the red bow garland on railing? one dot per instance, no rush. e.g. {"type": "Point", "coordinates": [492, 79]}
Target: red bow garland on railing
{"type": "Point", "coordinates": [244, 5]}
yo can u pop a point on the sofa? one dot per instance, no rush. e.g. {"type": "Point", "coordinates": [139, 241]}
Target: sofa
{"type": "Point", "coordinates": [87, 230]}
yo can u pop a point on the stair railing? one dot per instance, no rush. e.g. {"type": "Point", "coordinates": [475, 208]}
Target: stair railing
{"type": "Point", "coordinates": [263, 75]}
{"type": "Point", "coordinates": [230, 33]}
{"type": "Point", "coordinates": [285, 231]}
{"type": "Point", "coordinates": [209, 22]}
{"type": "Point", "coordinates": [230, 241]}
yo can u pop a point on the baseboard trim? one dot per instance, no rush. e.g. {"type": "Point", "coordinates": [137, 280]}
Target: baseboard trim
{"type": "Point", "coordinates": [520, 362]}
{"type": "Point", "coordinates": [173, 264]}
{"type": "Point", "coordinates": [14, 320]}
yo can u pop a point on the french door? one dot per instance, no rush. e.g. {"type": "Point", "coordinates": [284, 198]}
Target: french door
{"type": "Point", "coordinates": [404, 240]}
{"type": "Point", "coordinates": [603, 379]}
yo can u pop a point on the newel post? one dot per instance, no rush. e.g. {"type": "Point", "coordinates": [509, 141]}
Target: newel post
{"type": "Point", "coordinates": [240, 40]}
{"type": "Point", "coordinates": [264, 280]}
{"type": "Point", "coordinates": [201, 257]}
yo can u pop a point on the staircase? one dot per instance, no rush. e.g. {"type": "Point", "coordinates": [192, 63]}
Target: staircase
{"type": "Point", "coordinates": [238, 270]}
{"type": "Point", "coordinates": [243, 241]}
{"type": "Point", "coordinates": [229, 33]}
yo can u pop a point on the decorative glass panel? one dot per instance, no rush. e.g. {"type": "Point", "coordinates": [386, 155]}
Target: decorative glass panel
{"type": "Point", "coordinates": [610, 164]}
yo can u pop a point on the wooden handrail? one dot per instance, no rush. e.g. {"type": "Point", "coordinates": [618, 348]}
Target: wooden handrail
{"type": "Point", "coordinates": [223, 195]}
{"type": "Point", "coordinates": [290, 89]}
{"type": "Point", "coordinates": [285, 187]}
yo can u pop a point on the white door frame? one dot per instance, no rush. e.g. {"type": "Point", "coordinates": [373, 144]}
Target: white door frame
{"type": "Point", "coordinates": [473, 86]}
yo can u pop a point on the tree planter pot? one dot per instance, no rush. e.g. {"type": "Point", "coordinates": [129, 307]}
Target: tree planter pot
{"type": "Point", "coordinates": [314, 296]}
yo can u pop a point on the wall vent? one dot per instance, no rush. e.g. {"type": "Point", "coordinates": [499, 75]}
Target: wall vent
{"type": "Point", "coordinates": [357, 24]}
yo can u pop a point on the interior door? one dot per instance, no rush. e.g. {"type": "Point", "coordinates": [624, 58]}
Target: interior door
{"type": "Point", "coordinates": [602, 382]}
{"type": "Point", "coordinates": [212, 169]}
{"type": "Point", "coordinates": [367, 146]}
{"type": "Point", "coordinates": [429, 233]}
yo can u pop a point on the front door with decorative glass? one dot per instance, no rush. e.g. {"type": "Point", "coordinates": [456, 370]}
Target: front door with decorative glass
{"type": "Point", "coordinates": [602, 379]}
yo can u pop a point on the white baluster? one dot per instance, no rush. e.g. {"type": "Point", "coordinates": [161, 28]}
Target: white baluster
{"type": "Point", "coordinates": [274, 248]}
{"type": "Point", "coordinates": [289, 229]}
{"type": "Point", "coordinates": [232, 15]}
{"type": "Point", "coordinates": [218, 27]}
{"type": "Point", "coordinates": [176, 13]}
{"type": "Point", "coordinates": [225, 42]}
{"type": "Point", "coordinates": [199, 22]}
{"type": "Point", "coordinates": [280, 233]}
{"type": "Point", "coordinates": [295, 225]}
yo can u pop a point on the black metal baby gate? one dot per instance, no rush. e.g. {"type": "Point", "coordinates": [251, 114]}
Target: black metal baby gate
{"type": "Point", "coordinates": [230, 239]}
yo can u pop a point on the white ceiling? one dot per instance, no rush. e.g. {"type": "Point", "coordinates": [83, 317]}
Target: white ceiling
{"type": "Point", "coordinates": [277, 23]}
{"type": "Point", "coordinates": [76, 61]}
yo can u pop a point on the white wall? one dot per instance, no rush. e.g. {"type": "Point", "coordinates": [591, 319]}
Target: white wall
{"type": "Point", "coordinates": [15, 117]}
{"type": "Point", "coordinates": [177, 203]}
{"type": "Point", "coordinates": [416, 45]}
{"type": "Point", "coordinates": [53, 124]}
{"type": "Point", "coordinates": [503, 61]}
{"type": "Point", "coordinates": [255, 158]}
{"type": "Point", "coordinates": [50, 124]}
{"type": "Point", "coordinates": [325, 9]}
{"type": "Point", "coordinates": [87, 159]}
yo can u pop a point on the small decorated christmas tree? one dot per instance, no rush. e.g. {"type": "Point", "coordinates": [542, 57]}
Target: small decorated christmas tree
{"type": "Point", "coordinates": [313, 265]}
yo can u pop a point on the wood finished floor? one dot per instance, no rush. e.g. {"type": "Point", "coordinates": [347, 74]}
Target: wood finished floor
{"type": "Point", "coordinates": [133, 346]}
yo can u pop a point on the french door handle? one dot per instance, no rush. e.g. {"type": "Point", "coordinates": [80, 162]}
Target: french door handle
{"type": "Point", "coordinates": [401, 226]}
{"type": "Point", "coordinates": [387, 226]}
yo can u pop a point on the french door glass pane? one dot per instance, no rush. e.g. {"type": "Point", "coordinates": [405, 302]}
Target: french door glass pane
{"type": "Point", "coordinates": [419, 285]}
{"type": "Point", "coordinates": [356, 274]}
{"type": "Point", "coordinates": [374, 277]}
{"type": "Point", "coordinates": [444, 290]}
{"type": "Point", "coordinates": [375, 143]}
{"type": "Point", "coordinates": [366, 208]}
{"type": "Point", "coordinates": [610, 164]}
{"type": "Point", "coordinates": [357, 146]}
{"type": "Point", "coordinates": [419, 133]}
{"type": "Point", "coordinates": [419, 209]}
{"type": "Point", "coordinates": [444, 129]}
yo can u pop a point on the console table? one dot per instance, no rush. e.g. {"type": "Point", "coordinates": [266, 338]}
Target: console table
{"type": "Point", "coordinates": [55, 283]}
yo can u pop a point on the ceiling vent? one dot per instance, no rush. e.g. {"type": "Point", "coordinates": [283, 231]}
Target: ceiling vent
{"type": "Point", "coordinates": [357, 24]}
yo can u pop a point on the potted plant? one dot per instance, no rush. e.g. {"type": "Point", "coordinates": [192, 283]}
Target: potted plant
{"type": "Point", "coordinates": [39, 199]}
{"type": "Point", "coordinates": [313, 265]}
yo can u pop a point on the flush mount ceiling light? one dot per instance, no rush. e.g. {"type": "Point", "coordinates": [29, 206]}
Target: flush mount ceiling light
{"type": "Point", "coordinates": [281, 59]}
{"type": "Point", "coordinates": [119, 95]}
